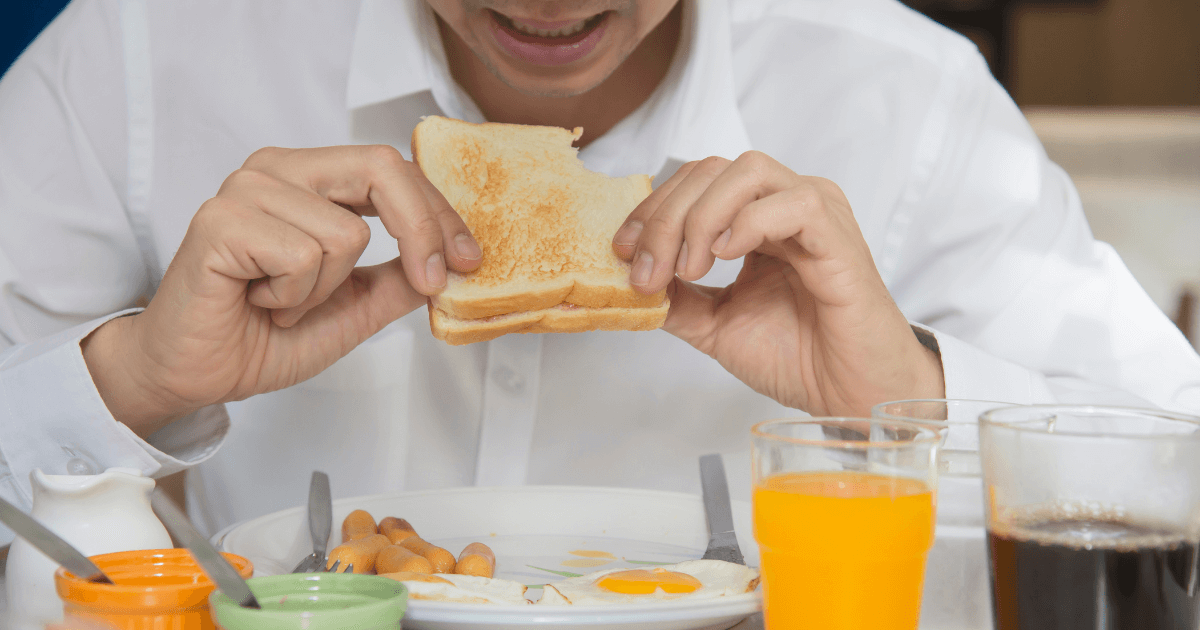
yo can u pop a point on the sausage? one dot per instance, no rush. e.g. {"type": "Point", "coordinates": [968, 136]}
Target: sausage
{"type": "Point", "coordinates": [476, 559]}
{"type": "Point", "coordinates": [396, 529]}
{"type": "Point", "coordinates": [395, 559]}
{"type": "Point", "coordinates": [358, 524]}
{"type": "Point", "coordinates": [442, 560]}
{"type": "Point", "coordinates": [361, 553]}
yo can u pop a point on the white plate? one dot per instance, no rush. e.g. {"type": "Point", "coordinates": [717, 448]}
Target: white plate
{"type": "Point", "coordinates": [531, 529]}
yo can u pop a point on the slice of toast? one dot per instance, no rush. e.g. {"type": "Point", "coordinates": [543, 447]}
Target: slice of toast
{"type": "Point", "coordinates": [544, 222]}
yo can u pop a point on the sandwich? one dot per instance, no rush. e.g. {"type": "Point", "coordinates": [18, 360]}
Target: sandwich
{"type": "Point", "coordinates": [545, 226]}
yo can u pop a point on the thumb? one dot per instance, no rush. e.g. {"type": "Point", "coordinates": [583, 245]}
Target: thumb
{"type": "Point", "coordinates": [371, 297]}
{"type": "Point", "coordinates": [692, 317]}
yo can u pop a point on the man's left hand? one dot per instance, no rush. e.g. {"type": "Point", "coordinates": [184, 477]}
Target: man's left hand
{"type": "Point", "coordinates": [809, 321]}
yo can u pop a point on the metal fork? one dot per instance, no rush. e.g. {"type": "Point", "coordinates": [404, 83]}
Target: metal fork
{"type": "Point", "coordinates": [320, 522]}
{"type": "Point", "coordinates": [333, 568]}
{"type": "Point", "coordinates": [310, 564]}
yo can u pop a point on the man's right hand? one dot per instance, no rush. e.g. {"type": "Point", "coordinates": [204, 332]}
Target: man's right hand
{"type": "Point", "coordinates": [263, 292]}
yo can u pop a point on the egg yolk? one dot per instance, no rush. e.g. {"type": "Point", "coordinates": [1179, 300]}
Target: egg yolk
{"type": "Point", "coordinates": [643, 582]}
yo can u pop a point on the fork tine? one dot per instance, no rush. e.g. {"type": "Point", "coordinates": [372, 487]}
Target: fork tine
{"type": "Point", "coordinates": [333, 568]}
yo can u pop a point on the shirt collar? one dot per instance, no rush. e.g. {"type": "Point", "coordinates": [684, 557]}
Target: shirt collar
{"type": "Point", "coordinates": [397, 52]}
{"type": "Point", "coordinates": [706, 117]}
{"type": "Point", "coordinates": [391, 52]}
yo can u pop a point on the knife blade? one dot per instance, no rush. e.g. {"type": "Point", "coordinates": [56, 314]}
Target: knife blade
{"type": "Point", "coordinates": [214, 564]}
{"type": "Point", "coordinates": [722, 541]}
{"type": "Point", "coordinates": [320, 512]}
{"type": "Point", "coordinates": [50, 544]}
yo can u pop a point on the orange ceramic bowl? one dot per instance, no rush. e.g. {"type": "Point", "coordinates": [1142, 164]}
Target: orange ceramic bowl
{"type": "Point", "coordinates": [153, 589]}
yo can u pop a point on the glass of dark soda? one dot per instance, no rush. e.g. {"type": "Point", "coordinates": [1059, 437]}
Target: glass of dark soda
{"type": "Point", "coordinates": [1093, 517]}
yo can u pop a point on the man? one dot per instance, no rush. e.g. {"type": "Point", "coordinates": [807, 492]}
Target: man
{"type": "Point", "coordinates": [845, 167]}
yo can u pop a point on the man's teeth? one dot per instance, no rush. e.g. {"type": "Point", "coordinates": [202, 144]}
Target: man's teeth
{"type": "Point", "coordinates": [558, 32]}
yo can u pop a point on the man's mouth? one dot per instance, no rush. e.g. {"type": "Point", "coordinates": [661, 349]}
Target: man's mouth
{"type": "Point", "coordinates": [559, 29]}
{"type": "Point", "coordinates": [548, 43]}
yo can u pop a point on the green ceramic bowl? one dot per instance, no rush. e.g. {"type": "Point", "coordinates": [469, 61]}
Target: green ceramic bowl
{"type": "Point", "coordinates": [316, 601]}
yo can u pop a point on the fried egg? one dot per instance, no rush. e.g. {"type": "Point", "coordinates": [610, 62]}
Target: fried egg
{"type": "Point", "coordinates": [464, 589]}
{"type": "Point", "coordinates": [693, 579]}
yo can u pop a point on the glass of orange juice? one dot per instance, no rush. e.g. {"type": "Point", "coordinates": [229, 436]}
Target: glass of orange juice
{"type": "Point", "coordinates": [844, 518]}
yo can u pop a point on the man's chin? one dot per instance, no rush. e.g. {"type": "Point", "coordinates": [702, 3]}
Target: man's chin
{"type": "Point", "coordinates": [552, 82]}
{"type": "Point", "coordinates": [550, 87]}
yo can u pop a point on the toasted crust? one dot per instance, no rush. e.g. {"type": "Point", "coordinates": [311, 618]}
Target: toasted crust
{"type": "Point", "coordinates": [545, 225]}
{"type": "Point", "coordinates": [556, 319]}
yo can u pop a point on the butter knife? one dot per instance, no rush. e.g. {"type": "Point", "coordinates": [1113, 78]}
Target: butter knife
{"type": "Point", "coordinates": [50, 544]}
{"type": "Point", "coordinates": [214, 564]}
{"type": "Point", "coordinates": [722, 541]}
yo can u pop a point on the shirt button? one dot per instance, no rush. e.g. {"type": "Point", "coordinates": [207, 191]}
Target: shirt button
{"type": "Point", "coordinates": [79, 466]}
{"type": "Point", "coordinates": [508, 379]}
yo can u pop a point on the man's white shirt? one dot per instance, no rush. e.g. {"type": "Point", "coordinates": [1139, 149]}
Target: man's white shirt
{"type": "Point", "coordinates": [126, 115]}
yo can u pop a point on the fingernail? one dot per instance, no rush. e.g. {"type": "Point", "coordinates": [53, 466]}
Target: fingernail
{"type": "Point", "coordinates": [467, 248]}
{"type": "Point", "coordinates": [722, 241]}
{"type": "Point", "coordinates": [681, 262]}
{"type": "Point", "coordinates": [628, 235]}
{"type": "Point", "coordinates": [435, 271]}
{"type": "Point", "coordinates": [642, 269]}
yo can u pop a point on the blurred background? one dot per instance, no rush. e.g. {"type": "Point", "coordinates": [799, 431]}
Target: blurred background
{"type": "Point", "coordinates": [1112, 87]}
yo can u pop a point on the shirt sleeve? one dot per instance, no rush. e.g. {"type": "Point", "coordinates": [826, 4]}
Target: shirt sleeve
{"type": "Point", "coordinates": [69, 261]}
{"type": "Point", "coordinates": [999, 263]}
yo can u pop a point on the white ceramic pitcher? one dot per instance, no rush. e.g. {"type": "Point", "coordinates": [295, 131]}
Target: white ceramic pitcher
{"type": "Point", "coordinates": [94, 513]}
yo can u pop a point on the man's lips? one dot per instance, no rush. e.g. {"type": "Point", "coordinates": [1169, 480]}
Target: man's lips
{"type": "Point", "coordinates": [552, 43]}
